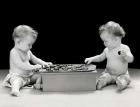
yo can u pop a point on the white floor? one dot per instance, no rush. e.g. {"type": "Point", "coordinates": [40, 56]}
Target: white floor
{"type": "Point", "coordinates": [108, 97]}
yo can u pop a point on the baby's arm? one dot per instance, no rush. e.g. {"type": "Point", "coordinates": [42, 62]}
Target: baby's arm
{"type": "Point", "coordinates": [97, 58]}
{"type": "Point", "coordinates": [127, 55]}
{"type": "Point", "coordinates": [36, 60]}
{"type": "Point", "coordinates": [15, 58]}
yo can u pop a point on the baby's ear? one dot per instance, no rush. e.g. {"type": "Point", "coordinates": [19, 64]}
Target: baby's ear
{"type": "Point", "coordinates": [17, 40]}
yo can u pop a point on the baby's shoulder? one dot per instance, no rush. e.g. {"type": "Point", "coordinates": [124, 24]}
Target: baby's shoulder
{"type": "Point", "coordinates": [14, 51]}
{"type": "Point", "coordinates": [106, 50]}
{"type": "Point", "coordinates": [123, 46]}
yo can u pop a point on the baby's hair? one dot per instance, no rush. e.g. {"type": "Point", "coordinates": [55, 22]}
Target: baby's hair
{"type": "Point", "coordinates": [112, 27]}
{"type": "Point", "coordinates": [22, 30]}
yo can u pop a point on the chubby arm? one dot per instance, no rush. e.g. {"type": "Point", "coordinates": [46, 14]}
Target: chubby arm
{"type": "Point", "coordinates": [126, 53]}
{"type": "Point", "coordinates": [97, 58]}
{"type": "Point", "coordinates": [36, 60]}
{"type": "Point", "coordinates": [15, 58]}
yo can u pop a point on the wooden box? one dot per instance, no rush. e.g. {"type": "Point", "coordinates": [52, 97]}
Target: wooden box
{"type": "Point", "coordinates": [69, 81]}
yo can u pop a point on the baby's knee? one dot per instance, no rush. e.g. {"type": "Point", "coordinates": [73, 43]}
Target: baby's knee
{"type": "Point", "coordinates": [17, 81]}
{"type": "Point", "coordinates": [123, 79]}
{"type": "Point", "coordinates": [122, 83]}
{"type": "Point", "coordinates": [105, 77]}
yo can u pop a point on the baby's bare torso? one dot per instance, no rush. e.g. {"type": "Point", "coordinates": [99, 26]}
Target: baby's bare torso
{"type": "Point", "coordinates": [116, 64]}
{"type": "Point", "coordinates": [14, 66]}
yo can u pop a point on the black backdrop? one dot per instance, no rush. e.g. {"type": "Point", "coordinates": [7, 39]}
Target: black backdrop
{"type": "Point", "coordinates": [68, 34]}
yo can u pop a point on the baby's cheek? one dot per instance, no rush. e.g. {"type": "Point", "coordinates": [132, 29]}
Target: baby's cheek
{"type": "Point", "coordinates": [105, 44]}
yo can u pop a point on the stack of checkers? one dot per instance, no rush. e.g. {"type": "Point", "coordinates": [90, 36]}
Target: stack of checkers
{"type": "Point", "coordinates": [69, 68]}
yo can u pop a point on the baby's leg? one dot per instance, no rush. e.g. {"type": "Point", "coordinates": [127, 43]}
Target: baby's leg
{"type": "Point", "coordinates": [6, 81]}
{"type": "Point", "coordinates": [122, 82]}
{"type": "Point", "coordinates": [16, 84]}
{"type": "Point", "coordinates": [103, 80]}
{"type": "Point", "coordinates": [36, 80]}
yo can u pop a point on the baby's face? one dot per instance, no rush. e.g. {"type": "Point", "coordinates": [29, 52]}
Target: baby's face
{"type": "Point", "coordinates": [26, 43]}
{"type": "Point", "coordinates": [108, 39]}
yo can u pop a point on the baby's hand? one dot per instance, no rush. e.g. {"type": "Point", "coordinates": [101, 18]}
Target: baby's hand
{"type": "Point", "coordinates": [88, 60]}
{"type": "Point", "coordinates": [48, 64]}
{"type": "Point", "coordinates": [122, 53]}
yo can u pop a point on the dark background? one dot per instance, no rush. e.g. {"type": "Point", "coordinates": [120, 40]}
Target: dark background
{"type": "Point", "coordinates": [68, 31]}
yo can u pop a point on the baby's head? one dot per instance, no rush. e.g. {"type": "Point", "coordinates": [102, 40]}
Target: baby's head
{"type": "Point", "coordinates": [24, 36]}
{"type": "Point", "coordinates": [111, 33]}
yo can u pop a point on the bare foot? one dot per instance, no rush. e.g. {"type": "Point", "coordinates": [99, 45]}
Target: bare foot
{"type": "Point", "coordinates": [121, 88]}
{"type": "Point", "coordinates": [15, 93]}
{"type": "Point", "coordinates": [6, 84]}
{"type": "Point", "coordinates": [38, 86]}
{"type": "Point", "coordinates": [99, 85]}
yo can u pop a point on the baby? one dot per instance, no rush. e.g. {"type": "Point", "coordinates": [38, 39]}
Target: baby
{"type": "Point", "coordinates": [21, 72]}
{"type": "Point", "coordinates": [118, 56]}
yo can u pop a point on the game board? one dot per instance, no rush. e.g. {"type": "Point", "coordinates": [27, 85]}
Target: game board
{"type": "Point", "coordinates": [69, 68]}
